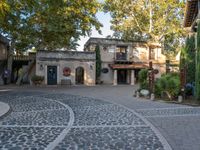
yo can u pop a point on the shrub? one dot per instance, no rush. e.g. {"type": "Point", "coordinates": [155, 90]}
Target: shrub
{"type": "Point", "coordinates": [37, 78]}
{"type": "Point", "coordinates": [158, 88]}
{"type": "Point", "coordinates": [168, 84]}
{"type": "Point", "coordinates": [143, 74]}
{"type": "Point", "coordinates": [173, 87]}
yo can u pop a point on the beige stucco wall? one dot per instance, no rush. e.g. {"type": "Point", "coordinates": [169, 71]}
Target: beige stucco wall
{"type": "Point", "coordinates": [136, 52]}
{"type": "Point", "coordinates": [161, 68]}
{"type": "Point", "coordinates": [107, 78]}
{"type": "Point", "coordinates": [140, 54]}
{"type": "Point", "coordinates": [71, 60]}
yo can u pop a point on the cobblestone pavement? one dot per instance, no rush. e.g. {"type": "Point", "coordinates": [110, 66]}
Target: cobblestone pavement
{"type": "Point", "coordinates": [124, 121]}
{"type": "Point", "coordinates": [180, 126]}
{"type": "Point", "coordinates": [45, 120]}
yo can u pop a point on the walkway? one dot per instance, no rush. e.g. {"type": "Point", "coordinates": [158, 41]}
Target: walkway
{"type": "Point", "coordinates": [101, 117]}
{"type": "Point", "coordinates": [4, 109]}
{"type": "Point", "coordinates": [63, 121]}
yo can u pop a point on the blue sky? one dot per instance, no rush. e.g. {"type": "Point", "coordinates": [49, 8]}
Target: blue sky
{"type": "Point", "coordinates": [104, 18]}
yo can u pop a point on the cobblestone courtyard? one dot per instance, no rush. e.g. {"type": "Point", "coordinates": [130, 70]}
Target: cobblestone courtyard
{"type": "Point", "coordinates": [103, 117]}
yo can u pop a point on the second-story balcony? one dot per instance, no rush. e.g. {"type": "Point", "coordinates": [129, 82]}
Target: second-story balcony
{"type": "Point", "coordinates": [121, 56]}
{"type": "Point", "coordinates": [121, 53]}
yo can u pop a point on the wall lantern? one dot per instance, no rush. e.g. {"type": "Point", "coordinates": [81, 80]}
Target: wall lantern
{"type": "Point", "coordinates": [91, 67]}
{"type": "Point", "coordinates": [41, 67]}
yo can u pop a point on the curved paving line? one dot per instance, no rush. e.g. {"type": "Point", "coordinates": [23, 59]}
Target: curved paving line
{"type": "Point", "coordinates": [154, 129]}
{"type": "Point", "coordinates": [53, 144]}
{"type": "Point", "coordinates": [164, 142]}
{"type": "Point", "coordinates": [62, 135]}
{"type": "Point", "coordinates": [7, 113]}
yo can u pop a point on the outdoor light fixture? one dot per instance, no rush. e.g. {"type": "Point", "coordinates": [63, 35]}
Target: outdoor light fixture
{"type": "Point", "coordinates": [91, 67]}
{"type": "Point", "coordinates": [41, 67]}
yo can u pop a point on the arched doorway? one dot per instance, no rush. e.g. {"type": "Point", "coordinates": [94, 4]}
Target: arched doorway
{"type": "Point", "coordinates": [122, 76]}
{"type": "Point", "coordinates": [80, 75]}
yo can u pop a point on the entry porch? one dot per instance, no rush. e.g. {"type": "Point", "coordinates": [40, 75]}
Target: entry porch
{"type": "Point", "coordinates": [126, 73]}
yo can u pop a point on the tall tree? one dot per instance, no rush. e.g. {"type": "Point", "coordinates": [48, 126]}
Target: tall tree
{"type": "Point", "coordinates": [187, 59]}
{"type": "Point", "coordinates": [155, 20]}
{"type": "Point", "coordinates": [197, 73]}
{"type": "Point", "coordinates": [98, 63]}
{"type": "Point", "coordinates": [49, 24]}
{"type": "Point", "coordinates": [4, 7]}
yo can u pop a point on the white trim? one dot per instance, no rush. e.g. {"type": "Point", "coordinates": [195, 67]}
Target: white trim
{"type": "Point", "coordinates": [46, 76]}
{"type": "Point", "coordinates": [63, 134]}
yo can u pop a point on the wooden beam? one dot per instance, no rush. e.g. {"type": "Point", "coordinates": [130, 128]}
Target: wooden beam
{"type": "Point", "coordinates": [191, 12]}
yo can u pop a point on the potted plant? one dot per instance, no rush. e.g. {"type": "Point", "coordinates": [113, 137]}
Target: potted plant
{"type": "Point", "coordinates": [37, 80]}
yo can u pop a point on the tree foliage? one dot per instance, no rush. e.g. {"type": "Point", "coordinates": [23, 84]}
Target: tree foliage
{"type": "Point", "coordinates": [49, 24]}
{"type": "Point", "coordinates": [168, 84]}
{"type": "Point", "coordinates": [197, 73]}
{"type": "Point", "coordinates": [98, 62]}
{"type": "Point", "coordinates": [4, 7]}
{"type": "Point", "coordinates": [159, 21]}
{"type": "Point", "coordinates": [187, 59]}
{"type": "Point", "coordinates": [143, 79]}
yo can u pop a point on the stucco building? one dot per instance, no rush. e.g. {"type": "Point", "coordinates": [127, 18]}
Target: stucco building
{"type": "Point", "coordinates": [121, 61]}
{"type": "Point", "coordinates": [66, 67]}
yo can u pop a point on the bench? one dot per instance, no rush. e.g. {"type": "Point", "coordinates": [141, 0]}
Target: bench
{"type": "Point", "coordinates": [66, 82]}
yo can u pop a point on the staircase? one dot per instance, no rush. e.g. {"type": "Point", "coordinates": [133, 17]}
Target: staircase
{"type": "Point", "coordinates": [25, 71]}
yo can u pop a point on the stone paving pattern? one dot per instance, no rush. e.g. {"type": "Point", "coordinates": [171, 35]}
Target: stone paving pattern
{"type": "Point", "coordinates": [52, 118]}
{"type": "Point", "coordinates": [39, 119]}
{"type": "Point", "coordinates": [18, 138]}
{"type": "Point", "coordinates": [135, 138]}
{"type": "Point", "coordinates": [182, 131]}
{"type": "Point", "coordinates": [170, 112]}
{"type": "Point", "coordinates": [178, 124]}
{"type": "Point", "coordinates": [105, 115]}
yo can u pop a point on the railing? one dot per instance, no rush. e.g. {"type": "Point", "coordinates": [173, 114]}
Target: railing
{"type": "Point", "coordinates": [24, 57]}
{"type": "Point", "coordinates": [121, 56]}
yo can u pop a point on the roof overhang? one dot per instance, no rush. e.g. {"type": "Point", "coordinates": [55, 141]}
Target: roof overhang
{"type": "Point", "coordinates": [154, 45]}
{"type": "Point", "coordinates": [4, 40]}
{"type": "Point", "coordinates": [191, 12]}
{"type": "Point", "coordinates": [129, 66]}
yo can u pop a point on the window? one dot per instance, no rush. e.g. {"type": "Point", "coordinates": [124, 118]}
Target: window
{"type": "Point", "coordinates": [121, 53]}
{"type": "Point", "coordinates": [151, 54]}
{"type": "Point", "coordinates": [105, 70]}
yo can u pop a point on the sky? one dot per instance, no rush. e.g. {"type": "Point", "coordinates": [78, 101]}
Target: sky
{"type": "Point", "coordinates": [104, 18]}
